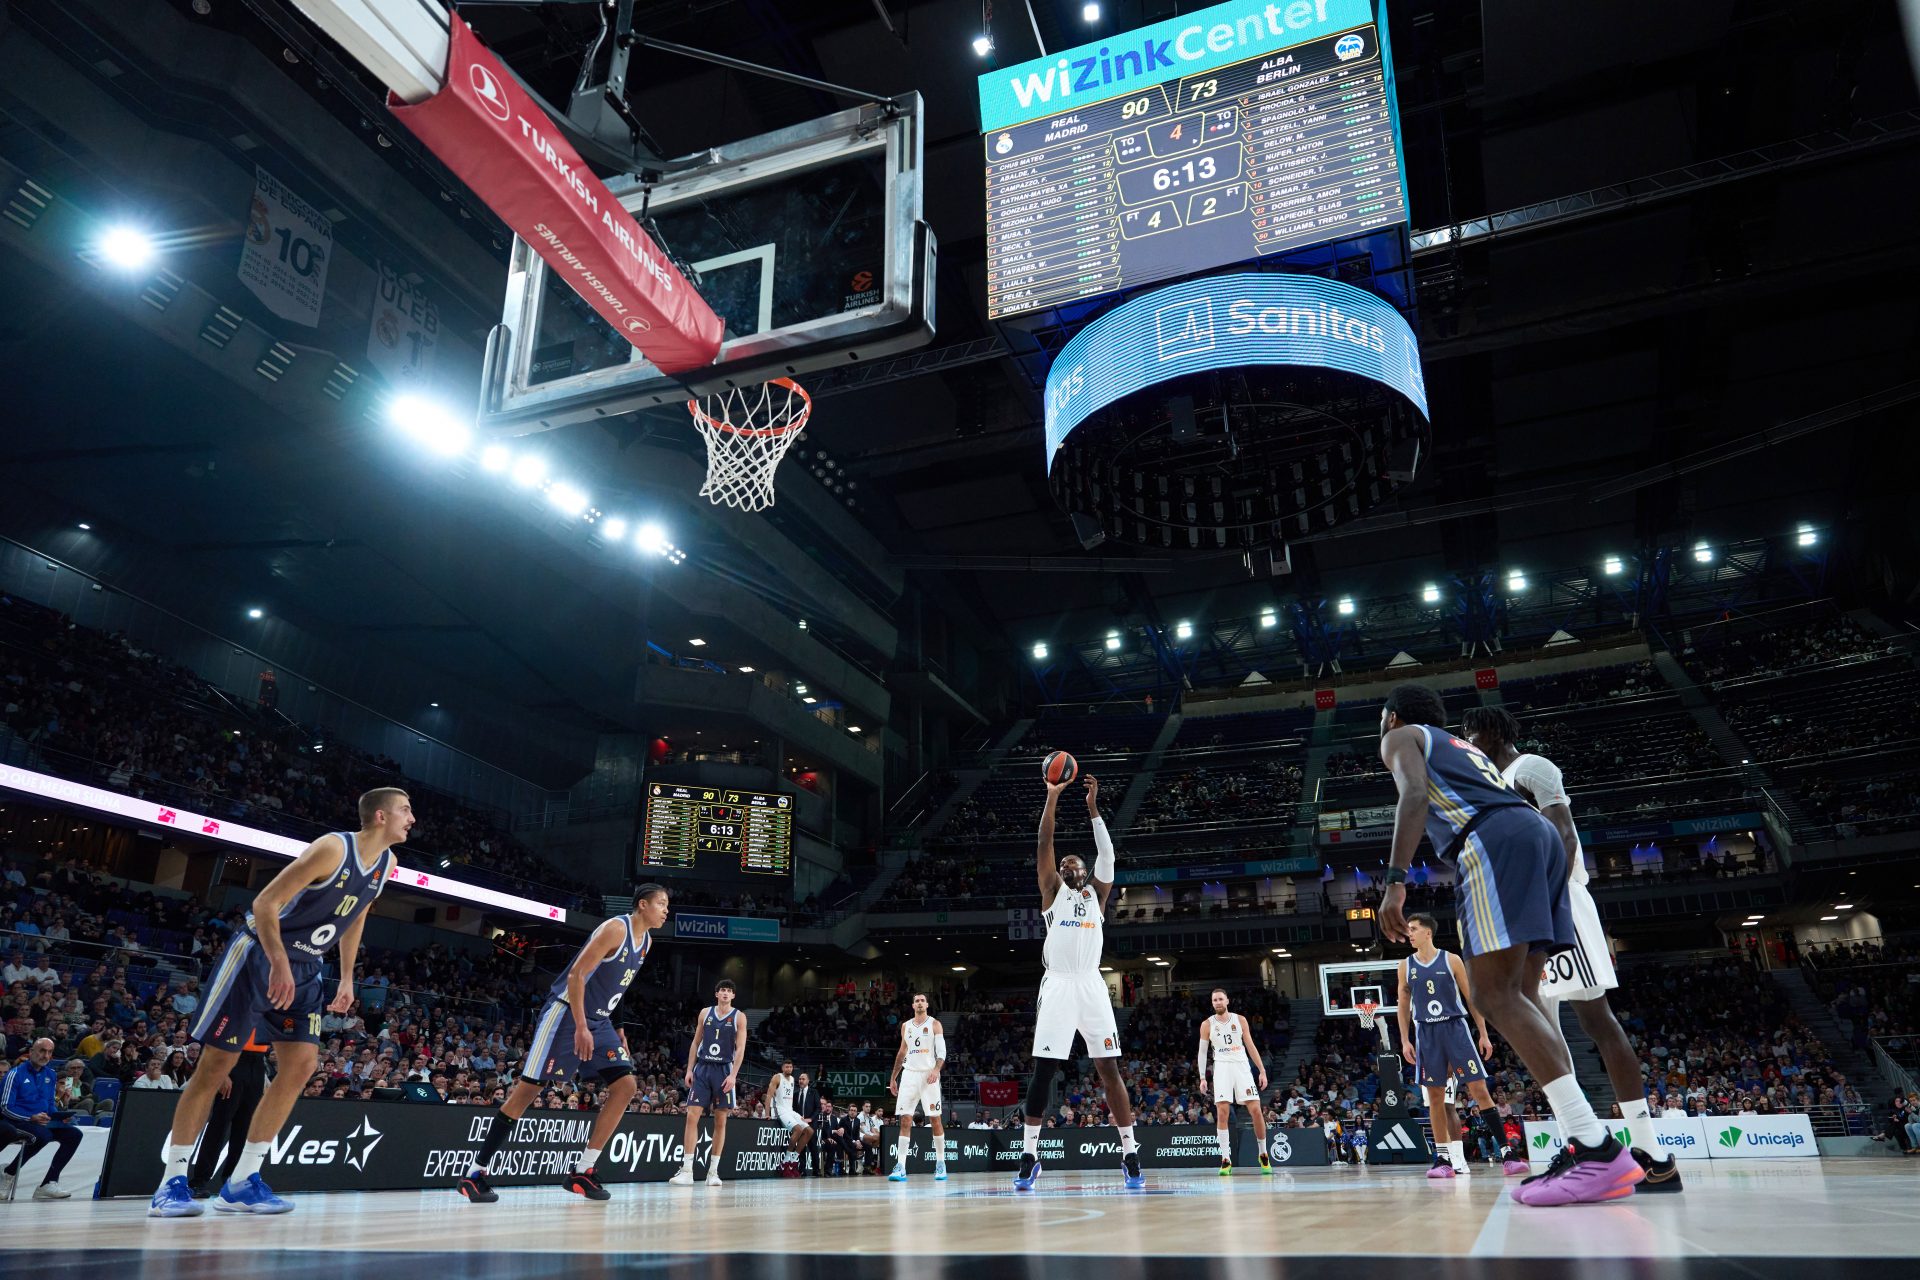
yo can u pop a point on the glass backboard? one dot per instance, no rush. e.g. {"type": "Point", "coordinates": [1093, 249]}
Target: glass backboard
{"type": "Point", "coordinates": [808, 242]}
{"type": "Point", "coordinates": [1344, 984]}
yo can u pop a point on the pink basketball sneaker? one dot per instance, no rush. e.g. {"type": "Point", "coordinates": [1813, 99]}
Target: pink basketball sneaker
{"type": "Point", "coordinates": [1606, 1172]}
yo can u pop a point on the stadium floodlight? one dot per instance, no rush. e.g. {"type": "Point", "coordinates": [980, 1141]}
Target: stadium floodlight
{"type": "Point", "coordinates": [983, 44]}
{"type": "Point", "coordinates": [256, 614]}
{"type": "Point", "coordinates": [529, 469]}
{"type": "Point", "coordinates": [853, 728]}
{"type": "Point", "coordinates": [803, 624]}
{"type": "Point", "coordinates": [1612, 566]}
{"type": "Point", "coordinates": [1090, 12]}
{"type": "Point", "coordinates": [697, 642]}
{"type": "Point", "coordinates": [1430, 594]}
{"type": "Point", "coordinates": [1703, 553]}
{"type": "Point", "coordinates": [496, 458]}
{"type": "Point", "coordinates": [1268, 618]}
{"type": "Point", "coordinates": [1516, 580]}
{"type": "Point", "coordinates": [1806, 536]}
{"type": "Point", "coordinates": [1183, 631]}
{"type": "Point", "coordinates": [744, 670]}
{"type": "Point", "coordinates": [1824, 919]}
{"type": "Point", "coordinates": [566, 499]}
{"type": "Point", "coordinates": [1843, 906]}
{"type": "Point", "coordinates": [127, 248]}
{"type": "Point", "coordinates": [430, 424]}
{"type": "Point", "coordinates": [85, 527]}
{"type": "Point", "coordinates": [652, 539]}
{"type": "Point", "coordinates": [800, 688]}
{"type": "Point", "coordinates": [809, 701]}
{"type": "Point", "coordinates": [614, 529]}
{"type": "Point", "coordinates": [1040, 652]}
{"type": "Point", "coordinates": [1113, 642]}
{"type": "Point", "coordinates": [1346, 606]}
{"type": "Point", "coordinates": [959, 968]}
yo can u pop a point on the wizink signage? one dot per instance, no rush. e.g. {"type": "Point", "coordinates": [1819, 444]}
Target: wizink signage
{"type": "Point", "coordinates": [689, 924]}
{"type": "Point", "coordinates": [1230, 322]}
{"type": "Point", "coordinates": [1178, 47]}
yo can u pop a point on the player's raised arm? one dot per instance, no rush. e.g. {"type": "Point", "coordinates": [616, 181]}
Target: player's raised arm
{"type": "Point", "coordinates": [1044, 860]}
{"type": "Point", "coordinates": [1403, 751]}
{"type": "Point", "coordinates": [1459, 970]}
{"type": "Point", "coordinates": [1102, 845]}
{"type": "Point", "coordinates": [316, 863]}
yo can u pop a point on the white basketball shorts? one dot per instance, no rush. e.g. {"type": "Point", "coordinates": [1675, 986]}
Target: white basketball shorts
{"type": "Point", "coordinates": [1233, 1082]}
{"type": "Point", "coordinates": [1071, 1002]}
{"type": "Point", "coordinates": [916, 1091]}
{"type": "Point", "coordinates": [1586, 970]}
{"type": "Point", "coordinates": [787, 1117]}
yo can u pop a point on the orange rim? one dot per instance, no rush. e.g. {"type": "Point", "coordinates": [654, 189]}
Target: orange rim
{"type": "Point", "coordinates": [721, 424]}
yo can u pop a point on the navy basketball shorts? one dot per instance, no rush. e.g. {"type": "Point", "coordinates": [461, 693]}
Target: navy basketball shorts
{"type": "Point", "coordinates": [236, 1008]}
{"type": "Point", "coordinates": [551, 1055]}
{"type": "Point", "coordinates": [1445, 1048]}
{"type": "Point", "coordinates": [1513, 886]}
{"type": "Point", "coordinates": [708, 1093]}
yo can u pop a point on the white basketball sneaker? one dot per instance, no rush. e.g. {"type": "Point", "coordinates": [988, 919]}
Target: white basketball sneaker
{"type": "Point", "coordinates": [684, 1178]}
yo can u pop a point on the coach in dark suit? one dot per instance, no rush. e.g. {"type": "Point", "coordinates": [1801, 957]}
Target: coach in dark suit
{"type": "Point", "coordinates": [806, 1105]}
{"type": "Point", "coordinates": [841, 1135]}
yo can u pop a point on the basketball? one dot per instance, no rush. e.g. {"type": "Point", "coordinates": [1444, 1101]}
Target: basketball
{"type": "Point", "coordinates": [1059, 767]}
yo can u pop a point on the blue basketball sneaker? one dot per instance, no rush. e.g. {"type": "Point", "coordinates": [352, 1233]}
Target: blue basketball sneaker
{"type": "Point", "coordinates": [899, 1174]}
{"type": "Point", "coordinates": [254, 1196]}
{"type": "Point", "coordinates": [175, 1199]}
{"type": "Point", "coordinates": [940, 1171]}
{"type": "Point", "coordinates": [1130, 1166]}
{"type": "Point", "coordinates": [1029, 1172]}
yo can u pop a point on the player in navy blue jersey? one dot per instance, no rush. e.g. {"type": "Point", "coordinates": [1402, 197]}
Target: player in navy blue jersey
{"type": "Point", "coordinates": [270, 986]}
{"type": "Point", "coordinates": [1512, 893]}
{"type": "Point", "coordinates": [714, 1056]}
{"type": "Point", "coordinates": [575, 1033]}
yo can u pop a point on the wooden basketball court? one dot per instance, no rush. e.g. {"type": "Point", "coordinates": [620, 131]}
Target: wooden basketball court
{"type": "Point", "coordinates": [1769, 1219]}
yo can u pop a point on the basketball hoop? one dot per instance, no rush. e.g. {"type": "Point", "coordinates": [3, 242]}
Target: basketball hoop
{"type": "Point", "coordinates": [748, 430]}
{"type": "Point", "coordinates": [1365, 1009]}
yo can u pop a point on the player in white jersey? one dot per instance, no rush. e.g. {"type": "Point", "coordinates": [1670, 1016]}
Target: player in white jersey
{"type": "Point", "coordinates": [780, 1100]}
{"type": "Point", "coordinates": [1584, 974]}
{"type": "Point", "coordinates": [1231, 1040]}
{"type": "Point", "coordinates": [1073, 996]}
{"type": "Point", "coordinates": [915, 1081]}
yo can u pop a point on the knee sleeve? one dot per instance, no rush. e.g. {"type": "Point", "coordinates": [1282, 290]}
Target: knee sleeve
{"type": "Point", "coordinates": [1040, 1088]}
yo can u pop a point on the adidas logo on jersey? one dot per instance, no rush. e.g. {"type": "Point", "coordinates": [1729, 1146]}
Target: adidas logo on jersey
{"type": "Point", "coordinates": [1395, 1139]}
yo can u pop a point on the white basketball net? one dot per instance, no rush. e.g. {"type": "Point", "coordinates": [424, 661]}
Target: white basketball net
{"type": "Point", "coordinates": [1366, 1011]}
{"type": "Point", "coordinates": [748, 430]}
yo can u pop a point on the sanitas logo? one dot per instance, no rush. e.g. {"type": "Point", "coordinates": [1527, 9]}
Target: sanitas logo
{"type": "Point", "coordinates": [1161, 49]}
{"type": "Point", "coordinates": [1730, 1137]}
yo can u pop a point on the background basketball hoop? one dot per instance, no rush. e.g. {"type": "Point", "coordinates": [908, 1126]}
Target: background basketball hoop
{"type": "Point", "coordinates": [1366, 1010]}
{"type": "Point", "coordinates": [748, 430]}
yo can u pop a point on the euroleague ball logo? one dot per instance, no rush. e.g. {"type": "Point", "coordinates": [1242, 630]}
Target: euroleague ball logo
{"type": "Point", "coordinates": [487, 88]}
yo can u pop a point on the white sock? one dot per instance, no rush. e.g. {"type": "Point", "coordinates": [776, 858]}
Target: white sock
{"type": "Point", "coordinates": [1457, 1154]}
{"type": "Point", "coordinates": [1575, 1114]}
{"type": "Point", "coordinates": [1640, 1125]}
{"type": "Point", "coordinates": [252, 1156]}
{"type": "Point", "coordinates": [1031, 1143]}
{"type": "Point", "coordinates": [589, 1158]}
{"type": "Point", "coordinates": [178, 1158]}
{"type": "Point", "coordinates": [900, 1149]}
{"type": "Point", "coordinates": [1226, 1152]}
{"type": "Point", "coordinates": [686, 1162]}
{"type": "Point", "coordinates": [1127, 1145]}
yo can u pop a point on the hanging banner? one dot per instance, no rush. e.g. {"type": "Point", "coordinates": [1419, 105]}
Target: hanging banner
{"type": "Point", "coordinates": [285, 251]}
{"type": "Point", "coordinates": [486, 129]}
{"type": "Point", "coordinates": [404, 332]}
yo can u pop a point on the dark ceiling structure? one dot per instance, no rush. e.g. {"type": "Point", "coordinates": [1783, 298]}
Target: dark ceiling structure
{"type": "Point", "coordinates": [1648, 239]}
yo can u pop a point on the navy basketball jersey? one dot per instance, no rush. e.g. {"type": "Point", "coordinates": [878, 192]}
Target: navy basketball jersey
{"type": "Point", "coordinates": [607, 985]}
{"type": "Point", "coordinates": [1461, 784]}
{"type": "Point", "coordinates": [717, 1037]}
{"type": "Point", "coordinates": [1434, 994]}
{"type": "Point", "coordinates": [312, 922]}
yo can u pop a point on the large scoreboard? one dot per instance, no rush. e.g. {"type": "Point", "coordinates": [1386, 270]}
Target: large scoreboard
{"type": "Point", "coordinates": [1232, 133]}
{"type": "Point", "coordinates": [717, 832]}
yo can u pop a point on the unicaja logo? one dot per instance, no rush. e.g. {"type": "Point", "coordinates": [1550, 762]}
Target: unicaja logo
{"type": "Point", "coordinates": [1542, 1140]}
{"type": "Point", "coordinates": [1730, 1137]}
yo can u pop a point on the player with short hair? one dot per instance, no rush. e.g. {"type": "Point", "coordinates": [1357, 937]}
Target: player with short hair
{"type": "Point", "coordinates": [713, 1068]}
{"type": "Point", "coordinates": [780, 1107]}
{"type": "Point", "coordinates": [269, 981]}
{"type": "Point", "coordinates": [1231, 1040]}
{"type": "Point", "coordinates": [1584, 973]}
{"type": "Point", "coordinates": [575, 1032]}
{"type": "Point", "coordinates": [1435, 996]}
{"type": "Point", "coordinates": [915, 1081]}
{"type": "Point", "coordinates": [1513, 909]}
{"type": "Point", "coordinates": [1073, 997]}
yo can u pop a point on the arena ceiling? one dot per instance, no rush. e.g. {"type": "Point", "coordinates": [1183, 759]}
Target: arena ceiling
{"type": "Point", "coordinates": [1756, 264]}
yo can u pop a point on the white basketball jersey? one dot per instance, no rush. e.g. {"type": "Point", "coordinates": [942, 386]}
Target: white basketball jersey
{"type": "Point", "coordinates": [782, 1093]}
{"type": "Point", "coordinates": [1542, 780]}
{"type": "Point", "coordinates": [919, 1038]}
{"type": "Point", "coordinates": [1074, 933]}
{"type": "Point", "coordinates": [1227, 1043]}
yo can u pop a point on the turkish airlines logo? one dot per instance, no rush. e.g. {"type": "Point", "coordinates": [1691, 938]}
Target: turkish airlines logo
{"type": "Point", "coordinates": [635, 324]}
{"type": "Point", "coordinates": [487, 87]}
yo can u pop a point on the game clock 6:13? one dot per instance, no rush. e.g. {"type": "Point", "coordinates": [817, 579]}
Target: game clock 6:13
{"type": "Point", "coordinates": [1202, 169]}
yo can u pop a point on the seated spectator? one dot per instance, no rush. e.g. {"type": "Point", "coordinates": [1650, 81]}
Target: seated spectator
{"type": "Point", "coordinates": [155, 1077]}
{"type": "Point", "coordinates": [27, 1101]}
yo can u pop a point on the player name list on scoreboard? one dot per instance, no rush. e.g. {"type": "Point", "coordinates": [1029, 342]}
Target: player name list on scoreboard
{"type": "Point", "coordinates": [1274, 153]}
{"type": "Point", "coordinates": [701, 827]}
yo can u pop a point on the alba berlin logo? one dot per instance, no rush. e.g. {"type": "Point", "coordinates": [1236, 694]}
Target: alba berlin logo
{"type": "Point", "coordinates": [487, 88]}
{"type": "Point", "coordinates": [1730, 1137]}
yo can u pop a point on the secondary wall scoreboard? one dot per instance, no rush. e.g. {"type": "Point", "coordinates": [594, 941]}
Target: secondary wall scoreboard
{"type": "Point", "coordinates": [1231, 133]}
{"type": "Point", "coordinates": [718, 830]}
